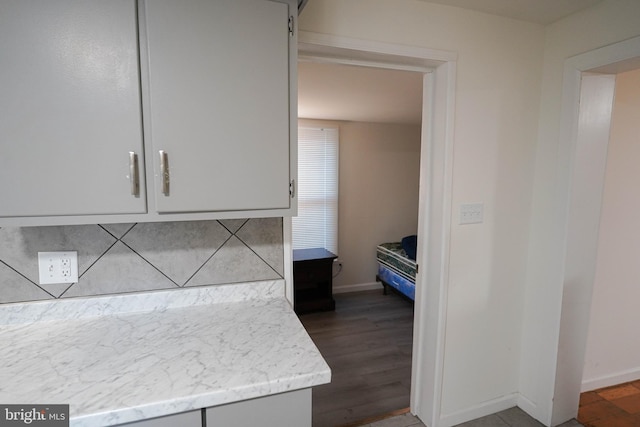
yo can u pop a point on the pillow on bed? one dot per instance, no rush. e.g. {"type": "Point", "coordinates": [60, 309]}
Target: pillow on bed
{"type": "Point", "coordinates": [409, 244]}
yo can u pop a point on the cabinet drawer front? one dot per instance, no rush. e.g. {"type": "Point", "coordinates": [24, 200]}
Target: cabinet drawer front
{"type": "Point", "coordinates": [280, 410]}
{"type": "Point", "coordinates": [185, 419]}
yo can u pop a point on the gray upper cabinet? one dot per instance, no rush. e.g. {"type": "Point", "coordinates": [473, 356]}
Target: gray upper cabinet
{"type": "Point", "coordinates": [219, 103]}
{"type": "Point", "coordinates": [134, 111]}
{"type": "Point", "coordinates": [70, 108]}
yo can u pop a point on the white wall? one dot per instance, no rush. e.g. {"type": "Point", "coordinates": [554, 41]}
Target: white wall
{"type": "Point", "coordinates": [606, 23]}
{"type": "Point", "coordinates": [378, 193]}
{"type": "Point", "coordinates": [496, 118]}
{"type": "Point", "coordinates": [613, 348]}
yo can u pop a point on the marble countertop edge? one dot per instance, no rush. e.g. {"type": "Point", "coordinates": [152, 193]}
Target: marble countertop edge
{"type": "Point", "coordinates": [205, 400]}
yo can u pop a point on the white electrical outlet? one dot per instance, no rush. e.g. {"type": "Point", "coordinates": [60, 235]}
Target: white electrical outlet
{"type": "Point", "coordinates": [472, 213]}
{"type": "Point", "coordinates": [58, 267]}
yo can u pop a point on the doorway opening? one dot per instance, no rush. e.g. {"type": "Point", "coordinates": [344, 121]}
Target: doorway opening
{"type": "Point", "coordinates": [589, 86]}
{"type": "Point", "coordinates": [611, 369]}
{"type": "Point", "coordinates": [367, 337]}
{"type": "Point", "coordinates": [434, 204]}
{"type": "Point", "coordinates": [612, 356]}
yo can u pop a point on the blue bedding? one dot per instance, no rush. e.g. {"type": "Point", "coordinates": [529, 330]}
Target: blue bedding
{"type": "Point", "coordinates": [397, 281]}
{"type": "Point", "coordinates": [397, 265]}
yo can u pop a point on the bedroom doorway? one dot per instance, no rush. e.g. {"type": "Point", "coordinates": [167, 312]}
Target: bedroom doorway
{"type": "Point", "coordinates": [434, 204]}
{"type": "Point", "coordinates": [375, 115]}
{"type": "Point", "coordinates": [368, 338]}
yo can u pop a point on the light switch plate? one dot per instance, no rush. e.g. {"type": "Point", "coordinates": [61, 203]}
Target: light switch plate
{"type": "Point", "coordinates": [471, 213]}
{"type": "Point", "coordinates": [58, 267]}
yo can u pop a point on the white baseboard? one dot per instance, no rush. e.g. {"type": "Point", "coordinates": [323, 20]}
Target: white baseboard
{"type": "Point", "coordinates": [526, 405]}
{"type": "Point", "coordinates": [357, 288]}
{"type": "Point", "coordinates": [478, 411]}
{"type": "Point", "coordinates": [530, 408]}
{"type": "Point", "coordinates": [609, 380]}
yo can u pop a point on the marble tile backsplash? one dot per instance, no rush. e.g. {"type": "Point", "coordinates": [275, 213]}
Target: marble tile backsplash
{"type": "Point", "coordinates": [121, 258]}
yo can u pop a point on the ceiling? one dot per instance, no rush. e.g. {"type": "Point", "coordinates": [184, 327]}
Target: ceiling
{"type": "Point", "coordinates": [361, 94]}
{"type": "Point", "coordinates": [341, 92]}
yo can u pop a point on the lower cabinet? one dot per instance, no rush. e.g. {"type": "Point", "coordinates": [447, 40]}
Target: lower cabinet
{"type": "Point", "coordinates": [286, 409]}
{"type": "Point", "coordinates": [184, 419]}
{"type": "Point", "coordinates": [279, 410]}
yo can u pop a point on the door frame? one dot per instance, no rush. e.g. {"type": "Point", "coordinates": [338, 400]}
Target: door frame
{"type": "Point", "coordinates": [579, 236]}
{"type": "Point", "coordinates": [435, 196]}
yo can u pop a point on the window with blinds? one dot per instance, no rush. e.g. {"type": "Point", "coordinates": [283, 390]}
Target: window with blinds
{"type": "Point", "coordinates": [316, 225]}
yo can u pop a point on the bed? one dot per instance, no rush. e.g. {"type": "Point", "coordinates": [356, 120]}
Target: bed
{"type": "Point", "coordinates": [396, 268]}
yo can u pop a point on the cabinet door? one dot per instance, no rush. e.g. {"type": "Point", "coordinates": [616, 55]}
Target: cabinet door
{"type": "Point", "coordinates": [70, 108]}
{"type": "Point", "coordinates": [219, 103]}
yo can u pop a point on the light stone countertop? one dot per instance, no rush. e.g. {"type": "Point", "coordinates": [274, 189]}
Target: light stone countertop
{"type": "Point", "coordinates": [118, 359]}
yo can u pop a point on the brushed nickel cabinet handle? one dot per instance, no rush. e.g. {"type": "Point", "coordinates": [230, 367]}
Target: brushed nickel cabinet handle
{"type": "Point", "coordinates": [164, 171]}
{"type": "Point", "coordinates": [134, 174]}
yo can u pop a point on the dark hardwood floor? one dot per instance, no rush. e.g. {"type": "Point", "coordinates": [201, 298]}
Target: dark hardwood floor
{"type": "Point", "coordinates": [367, 342]}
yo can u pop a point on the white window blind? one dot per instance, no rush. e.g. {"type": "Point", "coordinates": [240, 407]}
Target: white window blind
{"type": "Point", "coordinates": [316, 225]}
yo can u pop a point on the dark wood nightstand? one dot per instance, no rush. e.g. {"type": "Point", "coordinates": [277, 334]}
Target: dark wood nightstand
{"type": "Point", "coordinates": [313, 280]}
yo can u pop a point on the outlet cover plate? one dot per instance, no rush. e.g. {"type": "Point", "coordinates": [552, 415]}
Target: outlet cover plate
{"type": "Point", "coordinates": [58, 267]}
{"type": "Point", "coordinates": [472, 213]}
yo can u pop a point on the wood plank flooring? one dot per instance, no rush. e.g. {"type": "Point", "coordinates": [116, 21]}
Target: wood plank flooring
{"type": "Point", "coordinates": [367, 342]}
{"type": "Point", "coordinates": [617, 405]}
